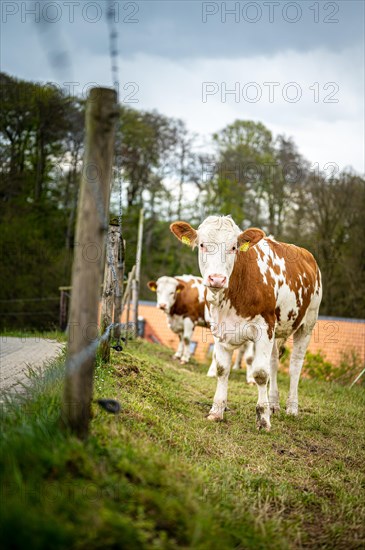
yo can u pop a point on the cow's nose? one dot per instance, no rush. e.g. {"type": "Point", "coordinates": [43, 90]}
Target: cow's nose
{"type": "Point", "coordinates": [162, 306]}
{"type": "Point", "coordinates": [216, 280]}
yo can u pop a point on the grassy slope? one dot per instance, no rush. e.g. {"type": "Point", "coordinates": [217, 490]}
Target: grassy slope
{"type": "Point", "coordinates": [161, 476]}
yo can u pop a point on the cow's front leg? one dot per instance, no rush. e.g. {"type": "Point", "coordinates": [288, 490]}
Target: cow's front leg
{"type": "Point", "coordinates": [260, 373]}
{"type": "Point", "coordinates": [188, 333]}
{"type": "Point", "coordinates": [212, 372]}
{"type": "Point", "coordinates": [180, 348]}
{"type": "Point", "coordinates": [223, 358]}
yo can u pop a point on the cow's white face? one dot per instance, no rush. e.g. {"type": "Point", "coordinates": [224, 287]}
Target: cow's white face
{"type": "Point", "coordinates": [217, 247]}
{"type": "Point", "coordinates": [166, 289]}
{"type": "Point", "coordinates": [219, 240]}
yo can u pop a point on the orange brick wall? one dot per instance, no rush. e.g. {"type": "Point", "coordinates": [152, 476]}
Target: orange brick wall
{"type": "Point", "coordinates": [331, 335]}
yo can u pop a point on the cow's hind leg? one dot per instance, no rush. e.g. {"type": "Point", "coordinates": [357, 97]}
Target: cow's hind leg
{"type": "Point", "coordinates": [249, 357]}
{"type": "Point", "coordinates": [301, 340]}
{"type": "Point", "coordinates": [223, 359]}
{"type": "Point", "coordinates": [180, 348]}
{"type": "Point", "coordinates": [238, 361]}
{"type": "Point", "coordinates": [274, 390]}
{"type": "Point", "coordinates": [188, 333]}
{"type": "Point", "coordinates": [260, 373]}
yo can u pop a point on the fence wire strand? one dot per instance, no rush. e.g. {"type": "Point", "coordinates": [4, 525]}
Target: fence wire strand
{"type": "Point", "coordinates": [114, 64]}
{"type": "Point", "coordinates": [113, 44]}
{"type": "Point", "coordinates": [76, 361]}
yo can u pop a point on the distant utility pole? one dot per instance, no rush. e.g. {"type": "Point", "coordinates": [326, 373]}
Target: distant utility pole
{"type": "Point", "coordinates": [137, 276]}
{"type": "Point", "coordinates": [92, 223]}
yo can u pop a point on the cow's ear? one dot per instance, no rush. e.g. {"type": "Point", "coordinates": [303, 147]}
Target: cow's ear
{"type": "Point", "coordinates": [184, 232]}
{"type": "Point", "coordinates": [152, 286]}
{"type": "Point", "coordinates": [249, 238]}
{"type": "Point", "coordinates": [179, 288]}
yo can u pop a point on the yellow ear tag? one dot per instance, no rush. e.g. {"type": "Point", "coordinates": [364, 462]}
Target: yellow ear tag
{"type": "Point", "coordinates": [245, 246]}
{"type": "Point", "coordinates": [185, 240]}
{"type": "Point", "coordinates": [178, 290]}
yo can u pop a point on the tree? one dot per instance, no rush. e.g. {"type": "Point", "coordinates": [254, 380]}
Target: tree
{"type": "Point", "coordinates": [147, 137]}
{"type": "Point", "coordinates": [329, 221]}
{"type": "Point", "coordinates": [260, 179]}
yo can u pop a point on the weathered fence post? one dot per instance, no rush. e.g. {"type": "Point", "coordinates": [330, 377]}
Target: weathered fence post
{"type": "Point", "coordinates": [92, 220]}
{"type": "Point", "coordinates": [127, 298]}
{"type": "Point", "coordinates": [118, 296]}
{"type": "Point", "coordinates": [135, 295]}
{"type": "Point", "coordinates": [110, 286]}
{"type": "Point", "coordinates": [128, 315]}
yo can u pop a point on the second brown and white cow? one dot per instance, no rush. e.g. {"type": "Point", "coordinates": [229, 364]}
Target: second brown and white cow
{"type": "Point", "coordinates": [258, 290]}
{"type": "Point", "coordinates": [182, 299]}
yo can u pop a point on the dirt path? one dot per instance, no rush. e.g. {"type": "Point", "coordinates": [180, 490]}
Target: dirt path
{"type": "Point", "coordinates": [18, 354]}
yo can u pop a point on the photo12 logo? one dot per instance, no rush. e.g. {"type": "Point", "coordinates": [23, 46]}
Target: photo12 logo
{"type": "Point", "coordinates": [269, 12]}
{"type": "Point", "coordinates": [253, 92]}
{"type": "Point", "coordinates": [70, 11]}
{"type": "Point", "coordinates": [127, 94]}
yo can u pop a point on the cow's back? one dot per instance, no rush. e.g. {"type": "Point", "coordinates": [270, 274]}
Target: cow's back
{"type": "Point", "coordinates": [276, 281]}
{"type": "Point", "coordinates": [190, 301]}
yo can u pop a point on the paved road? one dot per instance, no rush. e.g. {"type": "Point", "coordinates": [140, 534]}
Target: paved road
{"type": "Point", "coordinates": [18, 354]}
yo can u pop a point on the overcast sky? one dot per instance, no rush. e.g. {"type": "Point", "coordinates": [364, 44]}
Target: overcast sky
{"type": "Point", "coordinates": [296, 66]}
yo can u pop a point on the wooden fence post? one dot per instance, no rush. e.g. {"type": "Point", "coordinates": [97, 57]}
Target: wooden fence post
{"type": "Point", "coordinates": [118, 296]}
{"type": "Point", "coordinates": [128, 287]}
{"type": "Point", "coordinates": [109, 288]}
{"type": "Point", "coordinates": [92, 220]}
{"type": "Point", "coordinates": [127, 298]}
{"type": "Point", "coordinates": [135, 294]}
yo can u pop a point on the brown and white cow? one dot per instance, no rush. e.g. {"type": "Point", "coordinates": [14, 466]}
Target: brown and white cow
{"type": "Point", "coordinates": [182, 298]}
{"type": "Point", "coordinates": [260, 290]}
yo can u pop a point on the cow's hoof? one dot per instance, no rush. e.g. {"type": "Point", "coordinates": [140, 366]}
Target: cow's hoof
{"type": "Point", "coordinates": [263, 425]}
{"type": "Point", "coordinates": [251, 382]}
{"type": "Point", "coordinates": [292, 409]}
{"type": "Point", "coordinates": [184, 361]}
{"type": "Point", "coordinates": [262, 418]}
{"type": "Point", "coordinates": [275, 407]}
{"type": "Point", "coordinates": [176, 357]}
{"type": "Point", "coordinates": [211, 374]}
{"type": "Point", "coordinates": [213, 417]}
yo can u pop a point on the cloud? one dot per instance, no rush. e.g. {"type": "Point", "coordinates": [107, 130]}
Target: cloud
{"type": "Point", "coordinates": [170, 53]}
{"type": "Point", "coordinates": [328, 114]}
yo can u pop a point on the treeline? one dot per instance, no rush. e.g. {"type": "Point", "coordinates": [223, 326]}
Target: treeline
{"type": "Point", "coordinates": [259, 179]}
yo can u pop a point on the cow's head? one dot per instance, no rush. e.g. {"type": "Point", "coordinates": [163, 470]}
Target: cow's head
{"type": "Point", "coordinates": [219, 240]}
{"type": "Point", "coordinates": [167, 289]}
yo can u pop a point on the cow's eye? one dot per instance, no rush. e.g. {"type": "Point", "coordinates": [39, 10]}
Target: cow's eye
{"type": "Point", "coordinates": [234, 248]}
{"type": "Point", "coordinates": [201, 245]}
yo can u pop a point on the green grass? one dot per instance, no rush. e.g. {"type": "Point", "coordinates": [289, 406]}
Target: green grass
{"type": "Point", "coordinates": [159, 475]}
